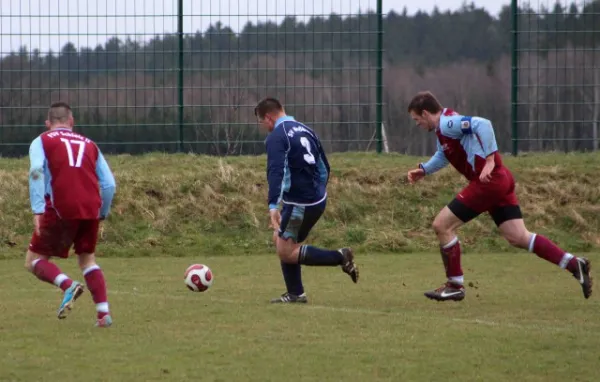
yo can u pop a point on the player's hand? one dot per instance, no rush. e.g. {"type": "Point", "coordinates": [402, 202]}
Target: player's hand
{"type": "Point", "coordinates": [486, 173]}
{"type": "Point", "coordinates": [275, 219]}
{"type": "Point", "coordinates": [416, 175]}
{"type": "Point", "coordinates": [37, 219]}
{"type": "Point", "coordinates": [101, 229]}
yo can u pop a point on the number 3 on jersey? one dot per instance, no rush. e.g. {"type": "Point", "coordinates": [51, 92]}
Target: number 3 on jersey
{"type": "Point", "coordinates": [309, 158]}
{"type": "Point", "coordinates": [69, 145]}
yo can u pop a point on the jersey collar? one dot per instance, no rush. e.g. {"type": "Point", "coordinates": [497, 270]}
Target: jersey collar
{"type": "Point", "coordinates": [439, 125]}
{"type": "Point", "coordinates": [280, 120]}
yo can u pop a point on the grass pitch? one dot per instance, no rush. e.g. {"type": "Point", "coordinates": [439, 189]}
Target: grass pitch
{"type": "Point", "coordinates": [523, 320]}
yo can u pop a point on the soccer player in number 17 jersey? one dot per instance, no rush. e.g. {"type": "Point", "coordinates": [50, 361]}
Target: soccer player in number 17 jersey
{"type": "Point", "coordinates": [71, 189]}
{"type": "Point", "coordinates": [297, 173]}
{"type": "Point", "coordinates": [469, 144]}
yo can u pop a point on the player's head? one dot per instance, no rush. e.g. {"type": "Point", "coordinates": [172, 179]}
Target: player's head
{"type": "Point", "coordinates": [425, 110]}
{"type": "Point", "coordinates": [268, 111]}
{"type": "Point", "coordinates": [60, 115]}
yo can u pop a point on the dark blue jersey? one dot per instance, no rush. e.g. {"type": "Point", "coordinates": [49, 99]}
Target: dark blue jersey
{"type": "Point", "coordinates": [297, 168]}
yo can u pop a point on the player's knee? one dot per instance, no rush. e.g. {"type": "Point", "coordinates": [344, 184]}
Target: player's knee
{"type": "Point", "coordinates": [288, 259]}
{"type": "Point", "coordinates": [86, 260]}
{"type": "Point", "coordinates": [285, 251]}
{"type": "Point", "coordinates": [29, 261]}
{"type": "Point", "coordinates": [28, 264]}
{"type": "Point", "coordinates": [284, 254]}
{"type": "Point", "coordinates": [518, 239]}
{"type": "Point", "coordinates": [439, 227]}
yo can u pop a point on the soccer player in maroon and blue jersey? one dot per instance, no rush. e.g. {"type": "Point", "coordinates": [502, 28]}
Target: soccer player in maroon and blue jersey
{"type": "Point", "coordinates": [469, 144]}
{"type": "Point", "coordinates": [71, 189]}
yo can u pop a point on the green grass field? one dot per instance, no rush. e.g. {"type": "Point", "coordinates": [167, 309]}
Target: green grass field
{"type": "Point", "coordinates": [523, 320]}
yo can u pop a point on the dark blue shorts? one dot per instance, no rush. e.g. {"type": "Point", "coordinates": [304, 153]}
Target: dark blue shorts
{"type": "Point", "coordinates": [297, 221]}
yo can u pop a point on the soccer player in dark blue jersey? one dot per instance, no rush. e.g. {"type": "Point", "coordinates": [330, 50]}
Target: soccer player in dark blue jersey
{"type": "Point", "coordinates": [297, 173]}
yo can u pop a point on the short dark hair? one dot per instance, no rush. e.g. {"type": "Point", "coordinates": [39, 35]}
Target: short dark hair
{"type": "Point", "coordinates": [267, 105]}
{"type": "Point", "coordinates": [59, 112]}
{"type": "Point", "coordinates": [424, 101]}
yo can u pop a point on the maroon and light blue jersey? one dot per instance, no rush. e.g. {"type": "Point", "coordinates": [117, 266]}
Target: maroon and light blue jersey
{"type": "Point", "coordinates": [464, 142]}
{"type": "Point", "coordinates": [69, 173]}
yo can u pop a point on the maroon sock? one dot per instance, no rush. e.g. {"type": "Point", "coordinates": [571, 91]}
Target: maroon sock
{"type": "Point", "coordinates": [452, 253]}
{"type": "Point", "coordinates": [549, 251]}
{"type": "Point", "coordinates": [444, 260]}
{"type": "Point", "coordinates": [50, 273]}
{"type": "Point", "coordinates": [94, 278]}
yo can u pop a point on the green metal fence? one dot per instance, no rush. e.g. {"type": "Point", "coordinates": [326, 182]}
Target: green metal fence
{"type": "Point", "coordinates": [555, 75]}
{"type": "Point", "coordinates": [184, 75]}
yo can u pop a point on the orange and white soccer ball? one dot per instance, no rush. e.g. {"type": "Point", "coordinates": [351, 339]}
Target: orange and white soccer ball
{"type": "Point", "coordinates": [198, 277]}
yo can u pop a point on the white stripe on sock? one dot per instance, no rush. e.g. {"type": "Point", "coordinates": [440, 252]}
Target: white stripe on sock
{"type": "Point", "coordinates": [565, 260]}
{"type": "Point", "coordinates": [59, 279]}
{"type": "Point", "coordinates": [90, 269]}
{"type": "Point", "coordinates": [34, 263]}
{"type": "Point", "coordinates": [451, 243]}
{"type": "Point", "coordinates": [532, 242]}
{"type": "Point", "coordinates": [102, 307]}
{"type": "Point", "coordinates": [460, 280]}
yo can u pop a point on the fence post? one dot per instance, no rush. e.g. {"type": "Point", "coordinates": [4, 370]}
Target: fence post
{"type": "Point", "coordinates": [180, 71]}
{"type": "Point", "coordinates": [514, 91]}
{"type": "Point", "coordinates": [379, 100]}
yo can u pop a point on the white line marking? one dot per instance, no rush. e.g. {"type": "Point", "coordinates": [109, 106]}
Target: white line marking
{"type": "Point", "coordinates": [476, 321]}
{"type": "Point", "coordinates": [526, 325]}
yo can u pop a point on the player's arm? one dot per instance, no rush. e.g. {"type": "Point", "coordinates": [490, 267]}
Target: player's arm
{"type": "Point", "coordinates": [437, 162]}
{"type": "Point", "coordinates": [276, 151]}
{"type": "Point", "coordinates": [324, 168]}
{"type": "Point", "coordinates": [37, 185]}
{"type": "Point", "coordinates": [107, 185]}
{"type": "Point", "coordinates": [483, 131]}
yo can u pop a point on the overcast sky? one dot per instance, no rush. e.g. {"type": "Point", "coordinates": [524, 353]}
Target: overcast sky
{"type": "Point", "coordinates": [49, 24]}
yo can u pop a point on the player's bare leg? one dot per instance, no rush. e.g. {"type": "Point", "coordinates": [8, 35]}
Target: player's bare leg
{"type": "Point", "coordinates": [94, 278]}
{"type": "Point", "coordinates": [445, 226]}
{"type": "Point", "coordinates": [515, 232]}
{"type": "Point", "coordinates": [49, 272]}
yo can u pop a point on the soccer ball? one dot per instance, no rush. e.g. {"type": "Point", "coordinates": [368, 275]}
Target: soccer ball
{"type": "Point", "coordinates": [198, 277]}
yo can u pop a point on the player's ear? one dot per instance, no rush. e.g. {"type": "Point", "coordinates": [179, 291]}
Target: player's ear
{"type": "Point", "coordinates": [48, 124]}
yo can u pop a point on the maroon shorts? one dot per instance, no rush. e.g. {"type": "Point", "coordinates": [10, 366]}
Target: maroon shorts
{"type": "Point", "coordinates": [58, 235]}
{"type": "Point", "coordinates": [497, 197]}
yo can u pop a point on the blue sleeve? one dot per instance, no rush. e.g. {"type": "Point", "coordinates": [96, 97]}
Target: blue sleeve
{"type": "Point", "coordinates": [437, 162]}
{"type": "Point", "coordinates": [107, 184]}
{"type": "Point", "coordinates": [37, 185]}
{"type": "Point", "coordinates": [484, 132]}
{"type": "Point", "coordinates": [324, 168]}
{"type": "Point", "coordinates": [276, 155]}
